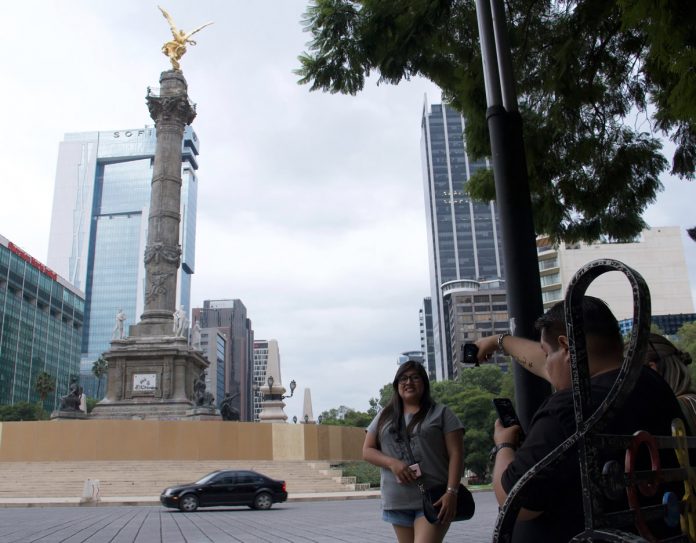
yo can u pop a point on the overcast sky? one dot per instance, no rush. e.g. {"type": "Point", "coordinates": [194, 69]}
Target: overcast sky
{"type": "Point", "coordinates": [310, 205]}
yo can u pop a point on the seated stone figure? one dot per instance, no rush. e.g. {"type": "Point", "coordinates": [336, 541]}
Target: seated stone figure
{"type": "Point", "coordinates": [71, 401]}
{"type": "Point", "coordinates": [201, 397]}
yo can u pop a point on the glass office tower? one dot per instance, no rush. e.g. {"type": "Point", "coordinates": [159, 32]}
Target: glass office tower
{"type": "Point", "coordinates": [99, 227]}
{"type": "Point", "coordinates": [464, 239]}
{"type": "Point", "coordinates": [41, 318]}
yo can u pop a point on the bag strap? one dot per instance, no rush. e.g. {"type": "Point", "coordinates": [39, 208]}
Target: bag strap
{"type": "Point", "coordinates": [409, 452]}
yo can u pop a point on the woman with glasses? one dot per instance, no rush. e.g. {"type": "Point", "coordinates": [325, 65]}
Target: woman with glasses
{"type": "Point", "coordinates": [671, 364]}
{"type": "Point", "coordinates": [434, 435]}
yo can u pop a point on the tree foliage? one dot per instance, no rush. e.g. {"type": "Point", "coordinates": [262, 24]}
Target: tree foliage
{"type": "Point", "coordinates": [45, 384]}
{"type": "Point", "coordinates": [22, 411]}
{"type": "Point", "coordinates": [597, 81]}
{"type": "Point", "coordinates": [687, 343]}
{"type": "Point", "coordinates": [99, 370]}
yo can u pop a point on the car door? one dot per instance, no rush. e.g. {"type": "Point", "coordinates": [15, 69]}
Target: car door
{"type": "Point", "coordinates": [246, 487]}
{"type": "Point", "coordinates": [221, 490]}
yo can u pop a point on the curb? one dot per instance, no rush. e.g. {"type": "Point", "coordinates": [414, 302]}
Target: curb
{"type": "Point", "coordinates": [149, 501]}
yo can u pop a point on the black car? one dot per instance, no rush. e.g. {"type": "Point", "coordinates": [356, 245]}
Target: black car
{"type": "Point", "coordinates": [226, 487]}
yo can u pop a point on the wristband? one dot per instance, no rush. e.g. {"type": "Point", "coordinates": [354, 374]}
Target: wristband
{"type": "Point", "coordinates": [501, 337]}
{"type": "Point", "coordinates": [452, 490]}
{"type": "Point", "coordinates": [496, 449]}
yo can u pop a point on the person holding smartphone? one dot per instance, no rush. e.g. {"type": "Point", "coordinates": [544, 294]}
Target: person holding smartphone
{"type": "Point", "coordinates": [434, 435]}
{"type": "Point", "coordinates": [552, 508]}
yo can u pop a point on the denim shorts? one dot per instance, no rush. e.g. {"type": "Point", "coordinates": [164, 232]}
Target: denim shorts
{"type": "Point", "coordinates": [401, 517]}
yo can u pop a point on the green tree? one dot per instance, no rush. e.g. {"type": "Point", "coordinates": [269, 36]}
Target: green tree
{"type": "Point", "coordinates": [583, 69]}
{"type": "Point", "coordinates": [99, 369]}
{"type": "Point", "coordinates": [488, 377]}
{"type": "Point", "coordinates": [44, 385]}
{"type": "Point", "coordinates": [687, 343]}
{"type": "Point", "coordinates": [22, 411]}
{"type": "Point", "coordinates": [385, 395]}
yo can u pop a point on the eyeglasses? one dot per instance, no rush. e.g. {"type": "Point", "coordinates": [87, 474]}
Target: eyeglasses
{"type": "Point", "coordinates": [414, 378]}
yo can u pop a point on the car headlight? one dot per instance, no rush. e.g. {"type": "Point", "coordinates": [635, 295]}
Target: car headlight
{"type": "Point", "coordinates": [167, 492]}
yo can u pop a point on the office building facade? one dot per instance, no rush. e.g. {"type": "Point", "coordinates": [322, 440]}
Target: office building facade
{"type": "Point", "coordinates": [41, 321]}
{"type": "Point", "coordinates": [464, 239]}
{"type": "Point", "coordinates": [214, 345]}
{"type": "Point", "coordinates": [230, 318]}
{"type": "Point", "coordinates": [99, 226]}
{"type": "Point", "coordinates": [657, 254]}
{"type": "Point", "coordinates": [427, 341]}
{"type": "Point", "coordinates": [266, 353]}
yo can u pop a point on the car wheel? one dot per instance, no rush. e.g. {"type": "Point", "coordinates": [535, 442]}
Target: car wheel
{"type": "Point", "coordinates": [188, 503]}
{"type": "Point", "coordinates": [263, 501]}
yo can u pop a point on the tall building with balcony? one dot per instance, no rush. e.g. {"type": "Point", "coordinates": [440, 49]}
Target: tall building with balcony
{"type": "Point", "coordinates": [230, 318]}
{"type": "Point", "coordinates": [214, 346]}
{"type": "Point", "coordinates": [266, 353]}
{"type": "Point", "coordinates": [41, 320]}
{"type": "Point", "coordinates": [427, 341]}
{"type": "Point", "coordinates": [99, 227]}
{"type": "Point", "coordinates": [657, 254]}
{"type": "Point", "coordinates": [464, 239]}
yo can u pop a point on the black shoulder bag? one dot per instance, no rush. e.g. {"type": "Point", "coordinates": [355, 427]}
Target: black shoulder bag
{"type": "Point", "coordinates": [465, 501]}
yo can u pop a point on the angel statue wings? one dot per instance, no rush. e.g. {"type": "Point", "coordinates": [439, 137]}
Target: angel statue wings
{"type": "Point", "coordinates": [176, 48]}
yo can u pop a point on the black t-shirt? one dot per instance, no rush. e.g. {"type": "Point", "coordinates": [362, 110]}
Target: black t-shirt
{"type": "Point", "coordinates": [651, 406]}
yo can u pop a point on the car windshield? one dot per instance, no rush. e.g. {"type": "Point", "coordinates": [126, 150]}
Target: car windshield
{"type": "Point", "coordinates": [207, 478]}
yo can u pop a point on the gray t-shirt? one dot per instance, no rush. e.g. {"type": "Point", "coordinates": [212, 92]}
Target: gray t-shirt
{"type": "Point", "coordinates": [429, 450]}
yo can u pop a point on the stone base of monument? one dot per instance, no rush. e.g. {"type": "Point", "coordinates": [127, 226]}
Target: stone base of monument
{"type": "Point", "coordinates": [203, 413]}
{"type": "Point", "coordinates": [150, 378]}
{"type": "Point", "coordinates": [64, 414]}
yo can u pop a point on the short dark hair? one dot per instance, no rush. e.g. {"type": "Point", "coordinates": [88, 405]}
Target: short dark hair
{"type": "Point", "coordinates": [598, 322]}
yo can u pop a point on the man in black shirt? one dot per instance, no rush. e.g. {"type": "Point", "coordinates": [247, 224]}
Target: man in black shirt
{"type": "Point", "coordinates": [552, 510]}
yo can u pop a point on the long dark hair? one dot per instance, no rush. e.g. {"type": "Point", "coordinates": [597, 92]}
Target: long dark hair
{"type": "Point", "coordinates": [394, 412]}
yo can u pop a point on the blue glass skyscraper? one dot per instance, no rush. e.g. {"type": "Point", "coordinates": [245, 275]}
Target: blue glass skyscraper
{"type": "Point", "coordinates": [464, 241]}
{"type": "Point", "coordinates": [99, 227]}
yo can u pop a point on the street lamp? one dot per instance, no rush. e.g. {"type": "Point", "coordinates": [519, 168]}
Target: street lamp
{"type": "Point", "coordinates": [270, 381]}
{"type": "Point", "coordinates": [294, 419]}
{"type": "Point", "coordinates": [306, 418]}
{"type": "Point", "coordinates": [319, 419]}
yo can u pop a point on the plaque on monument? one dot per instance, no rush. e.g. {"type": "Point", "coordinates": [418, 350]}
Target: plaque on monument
{"type": "Point", "coordinates": [144, 382]}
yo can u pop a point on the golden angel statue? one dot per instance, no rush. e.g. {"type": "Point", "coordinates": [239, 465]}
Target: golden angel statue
{"type": "Point", "coordinates": [176, 48]}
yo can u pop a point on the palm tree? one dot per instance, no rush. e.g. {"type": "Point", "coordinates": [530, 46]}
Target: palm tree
{"type": "Point", "coordinates": [99, 369]}
{"type": "Point", "coordinates": [45, 385]}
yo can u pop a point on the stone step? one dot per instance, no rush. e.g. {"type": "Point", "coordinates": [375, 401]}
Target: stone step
{"type": "Point", "coordinates": [149, 478]}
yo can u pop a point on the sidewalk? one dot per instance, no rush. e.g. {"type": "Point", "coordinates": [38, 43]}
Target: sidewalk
{"type": "Point", "coordinates": [154, 500]}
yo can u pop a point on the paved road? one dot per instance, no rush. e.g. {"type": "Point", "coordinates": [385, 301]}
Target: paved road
{"type": "Point", "coordinates": [355, 521]}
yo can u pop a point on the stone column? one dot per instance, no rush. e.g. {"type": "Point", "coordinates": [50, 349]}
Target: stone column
{"type": "Point", "coordinates": [171, 111]}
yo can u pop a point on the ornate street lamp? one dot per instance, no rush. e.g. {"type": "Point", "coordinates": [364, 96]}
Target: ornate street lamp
{"type": "Point", "coordinates": [270, 381]}
{"type": "Point", "coordinates": [319, 419]}
{"type": "Point", "coordinates": [294, 419]}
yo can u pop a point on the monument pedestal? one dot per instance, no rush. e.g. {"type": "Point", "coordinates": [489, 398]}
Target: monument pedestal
{"type": "Point", "coordinates": [150, 378]}
{"type": "Point", "coordinates": [203, 413]}
{"type": "Point", "coordinates": [65, 414]}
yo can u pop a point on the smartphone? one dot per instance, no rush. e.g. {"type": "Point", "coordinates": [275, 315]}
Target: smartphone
{"type": "Point", "coordinates": [506, 412]}
{"type": "Point", "coordinates": [415, 468]}
{"type": "Point", "coordinates": [470, 354]}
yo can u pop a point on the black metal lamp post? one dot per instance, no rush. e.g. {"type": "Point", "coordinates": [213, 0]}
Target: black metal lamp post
{"type": "Point", "coordinates": [306, 418]}
{"type": "Point", "coordinates": [270, 381]}
{"type": "Point", "coordinates": [512, 196]}
{"type": "Point", "coordinates": [294, 419]}
{"type": "Point", "coordinates": [319, 419]}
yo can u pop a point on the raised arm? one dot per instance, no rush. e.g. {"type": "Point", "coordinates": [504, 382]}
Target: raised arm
{"type": "Point", "coordinates": [527, 353]}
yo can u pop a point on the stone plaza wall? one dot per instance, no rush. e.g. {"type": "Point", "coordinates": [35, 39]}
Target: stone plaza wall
{"type": "Point", "coordinates": [65, 440]}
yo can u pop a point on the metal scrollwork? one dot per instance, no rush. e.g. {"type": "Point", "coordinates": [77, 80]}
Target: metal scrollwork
{"type": "Point", "coordinates": [588, 423]}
